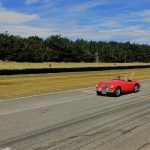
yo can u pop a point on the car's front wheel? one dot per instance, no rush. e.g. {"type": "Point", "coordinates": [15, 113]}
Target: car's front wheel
{"type": "Point", "coordinates": [98, 93]}
{"type": "Point", "coordinates": [117, 92]}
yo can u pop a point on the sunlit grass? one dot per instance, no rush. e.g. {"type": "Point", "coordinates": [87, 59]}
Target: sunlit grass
{"type": "Point", "coordinates": [18, 65]}
{"type": "Point", "coordinates": [25, 85]}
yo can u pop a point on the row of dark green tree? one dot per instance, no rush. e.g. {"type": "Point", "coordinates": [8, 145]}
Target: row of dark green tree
{"type": "Point", "coordinates": [56, 48]}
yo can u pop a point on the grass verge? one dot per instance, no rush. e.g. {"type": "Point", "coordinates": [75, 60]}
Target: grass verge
{"type": "Point", "coordinates": [25, 85]}
{"type": "Point", "coordinates": [21, 65]}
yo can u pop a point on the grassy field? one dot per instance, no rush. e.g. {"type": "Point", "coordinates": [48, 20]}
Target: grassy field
{"type": "Point", "coordinates": [23, 85]}
{"type": "Point", "coordinates": [17, 65]}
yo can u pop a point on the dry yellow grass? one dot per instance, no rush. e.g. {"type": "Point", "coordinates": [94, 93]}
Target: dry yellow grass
{"type": "Point", "coordinates": [25, 85]}
{"type": "Point", "coordinates": [17, 65]}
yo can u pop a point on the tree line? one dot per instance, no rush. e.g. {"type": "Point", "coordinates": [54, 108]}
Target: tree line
{"type": "Point", "coordinates": [61, 49]}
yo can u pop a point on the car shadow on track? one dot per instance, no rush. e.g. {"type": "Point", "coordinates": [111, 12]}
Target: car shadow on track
{"type": "Point", "coordinates": [112, 95]}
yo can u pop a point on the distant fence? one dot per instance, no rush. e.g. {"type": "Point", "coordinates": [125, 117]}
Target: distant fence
{"type": "Point", "coordinates": [60, 70]}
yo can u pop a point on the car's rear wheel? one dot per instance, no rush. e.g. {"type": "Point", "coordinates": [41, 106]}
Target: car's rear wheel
{"type": "Point", "coordinates": [117, 92]}
{"type": "Point", "coordinates": [136, 88]}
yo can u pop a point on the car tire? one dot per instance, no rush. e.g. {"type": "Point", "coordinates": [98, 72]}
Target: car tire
{"type": "Point", "coordinates": [117, 92]}
{"type": "Point", "coordinates": [98, 93]}
{"type": "Point", "coordinates": [136, 88]}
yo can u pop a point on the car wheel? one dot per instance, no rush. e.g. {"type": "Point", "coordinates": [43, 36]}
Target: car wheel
{"type": "Point", "coordinates": [117, 92]}
{"type": "Point", "coordinates": [98, 93]}
{"type": "Point", "coordinates": [136, 88]}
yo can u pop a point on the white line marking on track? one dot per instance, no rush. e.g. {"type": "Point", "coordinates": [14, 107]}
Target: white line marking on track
{"type": "Point", "coordinates": [52, 93]}
{"type": "Point", "coordinates": [57, 103]}
{"type": "Point", "coordinates": [89, 91]}
{"type": "Point", "coordinates": [44, 94]}
{"type": "Point", "coordinates": [8, 148]}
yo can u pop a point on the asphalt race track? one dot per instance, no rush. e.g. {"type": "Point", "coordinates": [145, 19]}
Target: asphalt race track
{"type": "Point", "coordinates": [77, 120]}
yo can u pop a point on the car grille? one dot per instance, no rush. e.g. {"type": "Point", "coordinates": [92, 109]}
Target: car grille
{"type": "Point", "coordinates": [105, 86]}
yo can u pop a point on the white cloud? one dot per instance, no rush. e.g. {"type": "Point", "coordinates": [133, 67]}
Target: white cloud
{"type": "Point", "coordinates": [109, 24]}
{"type": "Point", "coordinates": [144, 16]}
{"type": "Point", "coordinates": [26, 31]}
{"type": "Point", "coordinates": [7, 16]}
{"type": "Point", "coordinates": [140, 40]}
{"type": "Point", "coordinates": [133, 34]}
{"type": "Point", "coordinates": [87, 5]}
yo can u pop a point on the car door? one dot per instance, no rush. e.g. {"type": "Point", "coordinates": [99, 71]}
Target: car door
{"type": "Point", "coordinates": [129, 85]}
{"type": "Point", "coordinates": [126, 86]}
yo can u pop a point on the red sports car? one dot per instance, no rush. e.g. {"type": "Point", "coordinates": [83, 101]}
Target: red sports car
{"type": "Point", "coordinates": [118, 86]}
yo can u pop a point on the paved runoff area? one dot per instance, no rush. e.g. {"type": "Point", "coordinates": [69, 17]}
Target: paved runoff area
{"type": "Point", "coordinates": [77, 120]}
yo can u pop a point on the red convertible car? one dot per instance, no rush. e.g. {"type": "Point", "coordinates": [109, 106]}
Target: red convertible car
{"type": "Point", "coordinates": [118, 86]}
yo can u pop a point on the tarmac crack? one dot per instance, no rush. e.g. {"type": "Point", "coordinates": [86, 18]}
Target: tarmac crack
{"type": "Point", "coordinates": [143, 146]}
{"type": "Point", "coordinates": [129, 130]}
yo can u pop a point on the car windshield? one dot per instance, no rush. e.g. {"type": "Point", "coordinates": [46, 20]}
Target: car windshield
{"type": "Point", "coordinates": [118, 77]}
{"type": "Point", "coordinates": [123, 76]}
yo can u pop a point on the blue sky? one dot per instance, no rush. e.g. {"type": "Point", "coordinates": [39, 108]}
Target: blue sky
{"type": "Point", "coordinates": [100, 20]}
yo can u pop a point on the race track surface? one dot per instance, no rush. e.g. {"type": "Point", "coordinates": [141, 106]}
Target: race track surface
{"type": "Point", "coordinates": [77, 120]}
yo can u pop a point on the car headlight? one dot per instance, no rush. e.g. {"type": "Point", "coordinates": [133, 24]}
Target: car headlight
{"type": "Point", "coordinates": [112, 86]}
{"type": "Point", "coordinates": [96, 85]}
